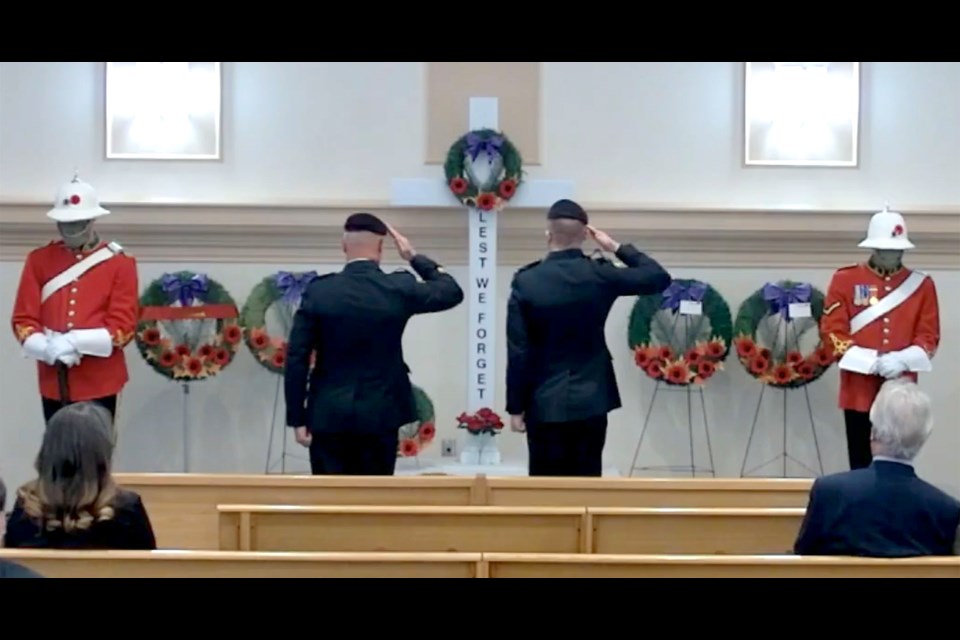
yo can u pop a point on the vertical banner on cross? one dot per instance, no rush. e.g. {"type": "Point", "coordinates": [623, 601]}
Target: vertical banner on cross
{"type": "Point", "coordinates": [480, 447]}
{"type": "Point", "coordinates": [481, 363]}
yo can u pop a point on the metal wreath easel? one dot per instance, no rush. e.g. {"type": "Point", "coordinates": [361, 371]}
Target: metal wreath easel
{"type": "Point", "coordinates": [784, 455]}
{"type": "Point", "coordinates": [692, 468]}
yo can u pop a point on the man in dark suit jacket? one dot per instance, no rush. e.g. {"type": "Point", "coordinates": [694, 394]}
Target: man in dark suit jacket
{"type": "Point", "coordinates": [10, 569]}
{"type": "Point", "coordinates": [884, 510]}
{"type": "Point", "coordinates": [560, 378]}
{"type": "Point", "coordinates": [359, 390]}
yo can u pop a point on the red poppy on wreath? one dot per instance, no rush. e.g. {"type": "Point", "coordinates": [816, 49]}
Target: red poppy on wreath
{"type": "Point", "coordinates": [697, 365]}
{"type": "Point", "coordinates": [168, 359]}
{"type": "Point", "coordinates": [151, 337]}
{"type": "Point", "coordinates": [232, 334]}
{"type": "Point", "coordinates": [458, 185]}
{"type": "Point", "coordinates": [194, 366]}
{"type": "Point", "coordinates": [427, 432]}
{"type": "Point", "coordinates": [222, 357]}
{"type": "Point", "coordinates": [507, 189]}
{"type": "Point", "coordinates": [205, 351]}
{"type": "Point", "coordinates": [409, 447]}
{"type": "Point", "coordinates": [486, 201]}
{"type": "Point", "coordinates": [183, 350]}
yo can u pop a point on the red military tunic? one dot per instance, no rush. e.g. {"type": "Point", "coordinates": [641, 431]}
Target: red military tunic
{"type": "Point", "coordinates": [916, 321]}
{"type": "Point", "coordinates": [105, 296]}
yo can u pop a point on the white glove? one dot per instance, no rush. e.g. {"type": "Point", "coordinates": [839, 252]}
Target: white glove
{"type": "Point", "coordinates": [70, 359]}
{"type": "Point", "coordinates": [891, 365]}
{"type": "Point", "coordinates": [36, 347]}
{"type": "Point", "coordinates": [59, 346]}
{"type": "Point", "coordinates": [91, 342]}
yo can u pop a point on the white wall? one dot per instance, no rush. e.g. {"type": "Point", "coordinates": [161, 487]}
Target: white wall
{"type": "Point", "coordinates": [626, 132]}
{"type": "Point", "coordinates": [630, 133]}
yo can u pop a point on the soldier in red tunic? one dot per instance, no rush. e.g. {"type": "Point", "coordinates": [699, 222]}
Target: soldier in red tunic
{"type": "Point", "coordinates": [881, 320]}
{"type": "Point", "coordinates": [77, 306]}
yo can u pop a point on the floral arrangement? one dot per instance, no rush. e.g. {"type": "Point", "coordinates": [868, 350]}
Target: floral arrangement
{"type": "Point", "coordinates": [188, 327]}
{"type": "Point", "coordinates": [768, 336]}
{"type": "Point", "coordinates": [483, 421]}
{"type": "Point", "coordinates": [504, 175]}
{"type": "Point", "coordinates": [680, 348]}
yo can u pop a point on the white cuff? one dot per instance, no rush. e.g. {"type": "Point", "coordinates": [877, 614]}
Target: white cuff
{"type": "Point", "coordinates": [91, 342]}
{"type": "Point", "coordinates": [916, 359]}
{"type": "Point", "coordinates": [36, 347]}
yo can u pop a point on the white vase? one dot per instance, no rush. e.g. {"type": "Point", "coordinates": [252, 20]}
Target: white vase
{"type": "Point", "coordinates": [480, 449]}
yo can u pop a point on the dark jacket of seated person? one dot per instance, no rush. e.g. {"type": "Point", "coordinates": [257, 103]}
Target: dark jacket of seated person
{"type": "Point", "coordinates": [74, 502]}
{"type": "Point", "coordinates": [884, 510]}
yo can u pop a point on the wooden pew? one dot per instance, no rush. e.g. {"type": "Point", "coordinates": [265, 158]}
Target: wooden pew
{"type": "Point", "coordinates": [646, 492]}
{"type": "Point", "coordinates": [499, 565]}
{"type": "Point", "coordinates": [692, 531]}
{"type": "Point", "coordinates": [183, 507]}
{"type": "Point", "coordinates": [402, 529]}
{"type": "Point", "coordinates": [218, 564]}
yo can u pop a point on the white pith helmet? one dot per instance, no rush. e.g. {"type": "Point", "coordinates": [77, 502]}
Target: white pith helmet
{"type": "Point", "coordinates": [75, 201]}
{"type": "Point", "coordinates": [887, 230]}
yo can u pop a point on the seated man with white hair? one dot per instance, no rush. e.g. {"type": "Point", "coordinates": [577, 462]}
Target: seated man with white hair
{"type": "Point", "coordinates": [884, 510]}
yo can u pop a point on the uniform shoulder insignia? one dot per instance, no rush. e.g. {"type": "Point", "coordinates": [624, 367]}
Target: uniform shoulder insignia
{"type": "Point", "coordinates": [115, 247]}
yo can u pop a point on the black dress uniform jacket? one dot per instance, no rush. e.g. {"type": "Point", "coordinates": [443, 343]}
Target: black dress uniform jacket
{"type": "Point", "coordinates": [559, 368]}
{"type": "Point", "coordinates": [354, 321]}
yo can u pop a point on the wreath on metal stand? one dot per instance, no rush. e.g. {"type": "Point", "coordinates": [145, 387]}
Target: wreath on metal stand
{"type": "Point", "coordinates": [680, 339]}
{"type": "Point", "coordinates": [771, 328]}
{"type": "Point", "coordinates": [188, 331]}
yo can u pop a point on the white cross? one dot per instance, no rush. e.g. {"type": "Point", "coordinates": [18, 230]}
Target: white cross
{"type": "Point", "coordinates": [482, 296]}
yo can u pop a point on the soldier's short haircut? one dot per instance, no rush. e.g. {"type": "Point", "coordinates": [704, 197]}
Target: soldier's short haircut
{"type": "Point", "coordinates": [567, 232]}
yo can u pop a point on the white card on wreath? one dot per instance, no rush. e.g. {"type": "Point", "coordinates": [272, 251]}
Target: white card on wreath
{"type": "Point", "coordinates": [800, 310]}
{"type": "Point", "coordinates": [691, 308]}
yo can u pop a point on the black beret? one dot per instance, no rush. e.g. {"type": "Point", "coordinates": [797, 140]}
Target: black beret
{"type": "Point", "coordinates": [567, 209]}
{"type": "Point", "coordinates": [365, 222]}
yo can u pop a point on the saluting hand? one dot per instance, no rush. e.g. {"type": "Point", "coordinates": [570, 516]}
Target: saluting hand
{"type": "Point", "coordinates": [404, 248]}
{"type": "Point", "coordinates": [606, 242]}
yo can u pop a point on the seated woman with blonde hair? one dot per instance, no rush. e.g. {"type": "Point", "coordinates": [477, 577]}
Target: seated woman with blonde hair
{"type": "Point", "coordinates": [74, 502]}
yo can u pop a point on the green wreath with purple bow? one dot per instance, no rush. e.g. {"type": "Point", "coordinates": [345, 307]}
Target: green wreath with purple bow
{"type": "Point", "coordinates": [483, 169]}
{"type": "Point", "coordinates": [777, 334]}
{"type": "Point", "coordinates": [681, 336]}
{"type": "Point", "coordinates": [188, 327]}
{"type": "Point", "coordinates": [267, 316]}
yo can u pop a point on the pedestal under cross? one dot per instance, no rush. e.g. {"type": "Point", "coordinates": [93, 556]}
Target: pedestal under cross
{"type": "Point", "coordinates": [482, 291]}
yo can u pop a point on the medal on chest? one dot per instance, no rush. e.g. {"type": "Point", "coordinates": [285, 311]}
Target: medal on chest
{"type": "Point", "coordinates": [874, 291]}
{"type": "Point", "coordinates": [861, 293]}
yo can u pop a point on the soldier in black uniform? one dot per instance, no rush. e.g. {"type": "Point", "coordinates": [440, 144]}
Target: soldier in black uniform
{"type": "Point", "coordinates": [359, 392]}
{"type": "Point", "coordinates": [560, 378]}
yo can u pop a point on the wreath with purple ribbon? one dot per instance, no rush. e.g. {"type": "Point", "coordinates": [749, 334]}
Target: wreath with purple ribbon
{"type": "Point", "coordinates": [680, 346]}
{"type": "Point", "coordinates": [779, 346]}
{"type": "Point", "coordinates": [483, 169]}
{"type": "Point", "coordinates": [188, 327]}
{"type": "Point", "coordinates": [267, 316]}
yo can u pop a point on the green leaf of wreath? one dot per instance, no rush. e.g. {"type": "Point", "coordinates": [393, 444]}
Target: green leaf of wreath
{"type": "Point", "coordinates": [652, 329]}
{"type": "Point", "coordinates": [762, 352]}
